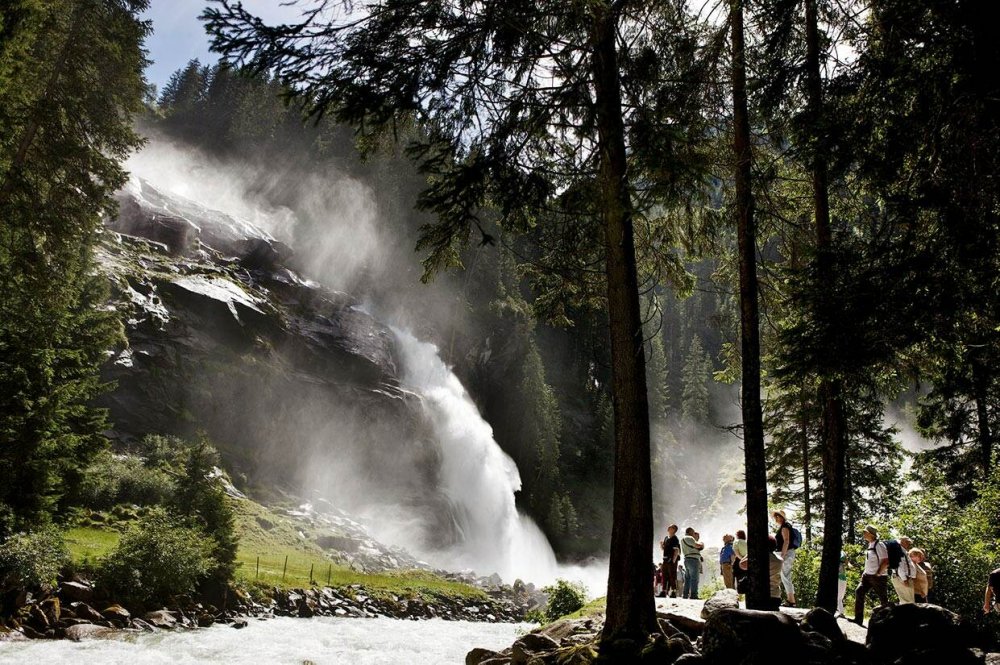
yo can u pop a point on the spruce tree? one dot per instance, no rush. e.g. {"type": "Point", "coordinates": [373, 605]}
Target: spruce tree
{"type": "Point", "coordinates": [65, 128]}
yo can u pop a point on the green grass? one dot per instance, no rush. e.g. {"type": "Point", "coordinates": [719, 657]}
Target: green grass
{"type": "Point", "coordinates": [283, 537]}
{"type": "Point", "coordinates": [596, 607]}
{"type": "Point", "coordinates": [87, 544]}
{"type": "Point", "coordinates": [270, 545]}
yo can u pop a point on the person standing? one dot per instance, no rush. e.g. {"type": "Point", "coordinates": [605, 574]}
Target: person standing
{"type": "Point", "coordinates": [671, 554]}
{"type": "Point", "coordinates": [875, 576]}
{"type": "Point", "coordinates": [842, 583]}
{"type": "Point", "coordinates": [786, 548]}
{"type": "Point", "coordinates": [726, 555]}
{"type": "Point", "coordinates": [691, 551]}
{"type": "Point", "coordinates": [992, 592]}
{"type": "Point", "coordinates": [920, 582]}
{"type": "Point", "coordinates": [904, 576]}
{"type": "Point", "coordinates": [740, 553]}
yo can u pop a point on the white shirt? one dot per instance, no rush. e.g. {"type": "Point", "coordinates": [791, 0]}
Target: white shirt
{"type": "Point", "coordinates": [906, 569]}
{"type": "Point", "coordinates": [874, 556]}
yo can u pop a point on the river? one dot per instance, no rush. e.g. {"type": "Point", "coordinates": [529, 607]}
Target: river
{"type": "Point", "coordinates": [323, 641]}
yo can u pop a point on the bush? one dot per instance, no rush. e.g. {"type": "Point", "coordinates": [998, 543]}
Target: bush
{"type": "Point", "coordinates": [31, 559]}
{"type": "Point", "coordinates": [805, 575]}
{"type": "Point", "coordinates": [113, 479]}
{"type": "Point", "coordinates": [564, 598]}
{"type": "Point", "coordinates": [960, 542]}
{"type": "Point", "coordinates": [158, 557]}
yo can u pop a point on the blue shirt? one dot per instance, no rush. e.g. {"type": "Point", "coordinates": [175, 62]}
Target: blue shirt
{"type": "Point", "coordinates": [726, 553]}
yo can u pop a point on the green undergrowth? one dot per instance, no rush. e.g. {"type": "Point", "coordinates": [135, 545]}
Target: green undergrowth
{"type": "Point", "coordinates": [594, 608]}
{"type": "Point", "coordinates": [268, 539]}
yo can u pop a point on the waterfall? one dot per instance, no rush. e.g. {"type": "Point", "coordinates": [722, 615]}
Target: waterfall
{"type": "Point", "coordinates": [476, 475]}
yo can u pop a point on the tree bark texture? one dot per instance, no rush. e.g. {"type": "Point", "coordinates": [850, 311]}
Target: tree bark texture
{"type": "Point", "coordinates": [630, 607]}
{"type": "Point", "coordinates": [834, 434]}
{"type": "Point", "coordinates": [753, 422]}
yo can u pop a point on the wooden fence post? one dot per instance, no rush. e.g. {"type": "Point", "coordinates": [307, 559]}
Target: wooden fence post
{"type": "Point", "coordinates": [284, 569]}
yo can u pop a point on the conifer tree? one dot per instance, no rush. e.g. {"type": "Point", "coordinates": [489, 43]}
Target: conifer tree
{"type": "Point", "coordinates": [65, 128]}
{"type": "Point", "coordinates": [695, 407]}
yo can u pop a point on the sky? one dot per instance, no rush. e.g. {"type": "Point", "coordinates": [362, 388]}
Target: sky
{"type": "Point", "coordinates": [178, 35]}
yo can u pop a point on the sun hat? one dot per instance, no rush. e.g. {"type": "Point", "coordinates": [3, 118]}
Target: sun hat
{"type": "Point", "coordinates": [872, 530]}
{"type": "Point", "coordinates": [779, 512]}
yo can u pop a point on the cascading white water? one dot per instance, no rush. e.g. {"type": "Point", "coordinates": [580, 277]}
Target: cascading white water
{"type": "Point", "coordinates": [476, 475]}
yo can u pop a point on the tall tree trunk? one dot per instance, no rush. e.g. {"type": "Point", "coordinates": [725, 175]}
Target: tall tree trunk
{"type": "Point", "coordinates": [834, 455]}
{"type": "Point", "coordinates": [630, 607]}
{"type": "Point", "coordinates": [753, 422]}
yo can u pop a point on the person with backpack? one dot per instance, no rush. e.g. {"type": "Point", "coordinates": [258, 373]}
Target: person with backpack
{"type": "Point", "coordinates": [789, 539]}
{"type": "Point", "coordinates": [691, 551]}
{"type": "Point", "coordinates": [875, 577]}
{"type": "Point", "coordinates": [902, 570]}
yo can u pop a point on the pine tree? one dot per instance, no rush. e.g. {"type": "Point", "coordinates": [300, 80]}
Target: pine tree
{"type": "Point", "coordinates": [695, 407]}
{"type": "Point", "coordinates": [63, 138]}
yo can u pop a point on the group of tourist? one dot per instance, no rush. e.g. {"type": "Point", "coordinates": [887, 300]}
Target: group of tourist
{"type": "Point", "coordinates": [683, 562]}
{"type": "Point", "coordinates": [895, 561]}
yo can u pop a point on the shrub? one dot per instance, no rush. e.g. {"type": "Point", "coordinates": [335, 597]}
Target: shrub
{"type": "Point", "coordinates": [201, 497]}
{"type": "Point", "coordinates": [960, 542]}
{"type": "Point", "coordinates": [564, 598]}
{"type": "Point", "coordinates": [805, 575]}
{"type": "Point", "coordinates": [31, 559]}
{"type": "Point", "coordinates": [113, 479]}
{"type": "Point", "coordinates": [158, 557]}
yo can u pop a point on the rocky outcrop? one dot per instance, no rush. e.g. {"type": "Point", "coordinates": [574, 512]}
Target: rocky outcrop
{"type": "Point", "coordinates": [287, 378]}
{"type": "Point", "coordinates": [919, 633]}
{"type": "Point", "coordinates": [923, 634]}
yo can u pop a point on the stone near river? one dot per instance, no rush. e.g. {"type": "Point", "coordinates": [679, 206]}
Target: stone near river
{"type": "Point", "coordinates": [161, 619]}
{"type": "Point", "coordinates": [88, 631]}
{"type": "Point", "coordinates": [76, 591]}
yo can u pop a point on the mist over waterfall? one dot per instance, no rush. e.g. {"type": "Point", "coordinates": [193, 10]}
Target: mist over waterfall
{"type": "Point", "coordinates": [477, 477]}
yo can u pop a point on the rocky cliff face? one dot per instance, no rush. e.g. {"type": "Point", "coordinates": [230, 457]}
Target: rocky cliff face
{"type": "Point", "coordinates": [294, 383]}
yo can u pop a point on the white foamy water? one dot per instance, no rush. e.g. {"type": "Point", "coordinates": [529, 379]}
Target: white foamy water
{"type": "Point", "coordinates": [476, 475]}
{"type": "Point", "coordinates": [323, 641]}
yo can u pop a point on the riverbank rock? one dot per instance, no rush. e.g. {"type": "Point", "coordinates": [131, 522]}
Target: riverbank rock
{"type": "Point", "coordinates": [117, 615]}
{"type": "Point", "coordinates": [74, 591]}
{"type": "Point", "coordinates": [721, 600]}
{"type": "Point", "coordinates": [88, 631]}
{"type": "Point", "coordinates": [85, 612]}
{"type": "Point", "coordinates": [478, 656]}
{"type": "Point", "coordinates": [531, 646]}
{"type": "Point", "coordinates": [161, 619]}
